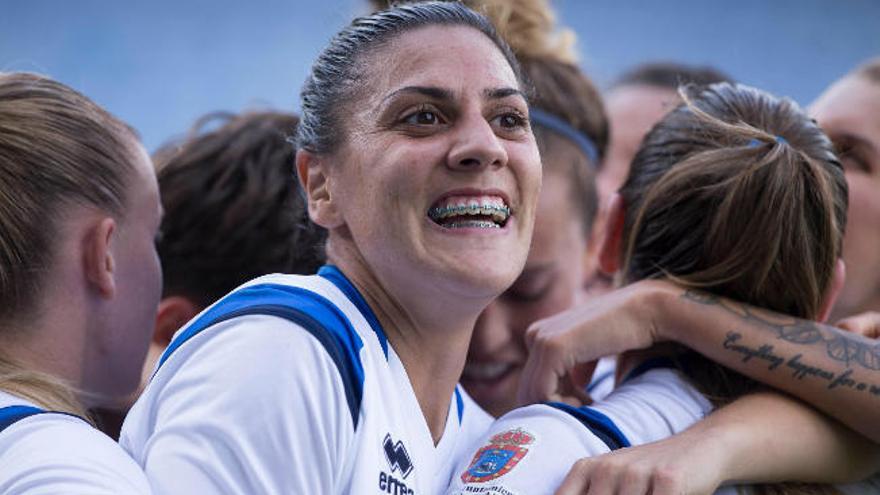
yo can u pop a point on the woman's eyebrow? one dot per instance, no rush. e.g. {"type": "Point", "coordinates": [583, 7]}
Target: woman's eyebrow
{"type": "Point", "coordinates": [498, 93]}
{"type": "Point", "coordinates": [430, 91]}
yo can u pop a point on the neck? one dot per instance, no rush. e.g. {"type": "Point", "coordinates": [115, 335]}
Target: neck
{"type": "Point", "coordinates": [41, 349]}
{"type": "Point", "coordinates": [430, 332]}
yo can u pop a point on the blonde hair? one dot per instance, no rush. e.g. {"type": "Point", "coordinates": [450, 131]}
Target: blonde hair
{"type": "Point", "coordinates": [57, 148]}
{"type": "Point", "coordinates": [43, 389]}
{"type": "Point", "coordinates": [529, 27]}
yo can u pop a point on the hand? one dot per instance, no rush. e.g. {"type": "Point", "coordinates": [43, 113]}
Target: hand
{"type": "Point", "coordinates": [678, 465]}
{"type": "Point", "coordinates": [865, 324]}
{"type": "Point", "coordinates": [563, 348]}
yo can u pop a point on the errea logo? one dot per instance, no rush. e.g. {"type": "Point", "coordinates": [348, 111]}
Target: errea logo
{"type": "Point", "coordinates": [397, 456]}
{"type": "Point", "coordinates": [399, 461]}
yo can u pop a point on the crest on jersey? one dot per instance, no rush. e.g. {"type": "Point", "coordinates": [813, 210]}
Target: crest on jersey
{"type": "Point", "coordinates": [496, 459]}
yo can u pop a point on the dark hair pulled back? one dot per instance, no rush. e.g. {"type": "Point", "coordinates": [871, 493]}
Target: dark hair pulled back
{"type": "Point", "coordinates": [339, 73]}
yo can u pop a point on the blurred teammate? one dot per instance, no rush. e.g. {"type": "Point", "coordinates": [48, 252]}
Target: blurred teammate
{"type": "Point", "coordinates": [79, 284]}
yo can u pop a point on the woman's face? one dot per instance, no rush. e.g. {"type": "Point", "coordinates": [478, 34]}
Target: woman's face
{"type": "Point", "coordinates": [849, 112]}
{"type": "Point", "coordinates": [550, 283]}
{"type": "Point", "coordinates": [438, 179]}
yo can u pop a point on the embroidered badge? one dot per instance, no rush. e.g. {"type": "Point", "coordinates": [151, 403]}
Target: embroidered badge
{"type": "Point", "coordinates": [502, 454]}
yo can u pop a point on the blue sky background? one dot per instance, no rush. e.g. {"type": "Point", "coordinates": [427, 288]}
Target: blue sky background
{"type": "Point", "coordinates": [161, 64]}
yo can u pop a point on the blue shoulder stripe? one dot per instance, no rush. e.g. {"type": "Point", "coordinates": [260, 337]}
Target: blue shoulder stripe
{"type": "Point", "coordinates": [598, 423]}
{"type": "Point", "coordinates": [12, 414]}
{"type": "Point", "coordinates": [317, 315]}
{"type": "Point", "coordinates": [339, 279]}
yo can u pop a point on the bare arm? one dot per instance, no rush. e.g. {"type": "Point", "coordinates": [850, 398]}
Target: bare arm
{"type": "Point", "coordinates": [762, 437]}
{"type": "Point", "coordinates": [835, 371]}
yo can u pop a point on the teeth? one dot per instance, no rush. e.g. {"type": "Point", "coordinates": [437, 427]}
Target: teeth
{"type": "Point", "coordinates": [490, 206]}
{"type": "Point", "coordinates": [473, 224]}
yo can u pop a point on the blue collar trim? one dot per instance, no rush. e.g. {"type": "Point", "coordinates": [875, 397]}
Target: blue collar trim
{"type": "Point", "coordinates": [339, 279]}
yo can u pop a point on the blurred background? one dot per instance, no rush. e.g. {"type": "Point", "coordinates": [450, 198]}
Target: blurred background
{"type": "Point", "coordinates": [159, 65]}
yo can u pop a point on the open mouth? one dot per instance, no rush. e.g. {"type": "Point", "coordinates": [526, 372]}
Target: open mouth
{"type": "Point", "coordinates": [475, 212]}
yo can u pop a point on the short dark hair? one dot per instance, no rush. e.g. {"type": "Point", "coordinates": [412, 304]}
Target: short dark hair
{"type": "Point", "coordinates": [671, 75]}
{"type": "Point", "coordinates": [233, 207]}
{"type": "Point", "coordinates": [338, 72]}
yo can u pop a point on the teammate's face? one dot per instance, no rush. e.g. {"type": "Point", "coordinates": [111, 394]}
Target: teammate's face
{"type": "Point", "coordinates": [119, 356]}
{"type": "Point", "coordinates": [849, 111]}
{"type": "Point", "coordinates": [550, 283]}
{"type": "Point", "coordinates": [632, 111]}
{"type": "Point", "coordinates": [437, 153]}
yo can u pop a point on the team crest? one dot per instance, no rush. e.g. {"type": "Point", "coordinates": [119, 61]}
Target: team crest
{"type": "Point", "coordinates": [503, 453]}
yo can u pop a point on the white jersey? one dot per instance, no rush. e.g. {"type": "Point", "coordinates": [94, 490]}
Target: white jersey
{"type": "Point", "coordinates": [50, 453]}
{"type": "Point", "coordinates": [532, 449]}
{"type": "Point", "coordinates": [288, 385]}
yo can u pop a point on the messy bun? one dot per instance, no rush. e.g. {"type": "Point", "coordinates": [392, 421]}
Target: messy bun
{"type": "Point", "coordinates": [529, 27]}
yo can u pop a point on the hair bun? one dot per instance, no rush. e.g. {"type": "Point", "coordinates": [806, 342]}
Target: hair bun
{"type": "Point", "coordinates": [529, 27]}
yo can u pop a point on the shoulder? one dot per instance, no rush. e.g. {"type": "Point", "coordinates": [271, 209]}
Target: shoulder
{"type": "Point", "coordinates": [278, 325]}
{"type": "Point", "coordinates": [57, 453]}
{"type": "Point", "coordinates": [528, 449]}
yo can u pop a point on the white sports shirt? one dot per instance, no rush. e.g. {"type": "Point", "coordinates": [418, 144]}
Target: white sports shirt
{"type": "Point", "coordinates": [531, 449]}
{"type": "Point", "coordinates": [288, 385]}
{"type": "Point", "coordinates": [44, 453]}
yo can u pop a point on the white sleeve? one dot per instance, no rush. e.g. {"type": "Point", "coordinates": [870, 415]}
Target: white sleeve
{"type": "Point", "coordinates": [528, 450]}
{"type": "Point", "coordinates": [48, 454]}
{"type": "Point", "coordinates": [259, 408]}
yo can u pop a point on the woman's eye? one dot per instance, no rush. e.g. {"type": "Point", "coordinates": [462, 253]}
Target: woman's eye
{"type": "Point", "coordinates": [423, 117]}
{"type": "Point", "coordinates": [511, 121]}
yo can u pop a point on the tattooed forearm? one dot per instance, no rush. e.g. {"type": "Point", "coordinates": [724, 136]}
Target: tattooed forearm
{"type": "Point", "coordinates": [847, 348]}
{"type": "Point", "coordinates": [796, 364]}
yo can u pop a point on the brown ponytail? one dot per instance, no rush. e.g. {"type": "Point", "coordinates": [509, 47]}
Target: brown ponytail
{"type": "Point", "coordinates": [737, 193]}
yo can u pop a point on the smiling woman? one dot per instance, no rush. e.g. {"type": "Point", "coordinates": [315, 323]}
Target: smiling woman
{"type": "Point", "coordinates": [416, 154]}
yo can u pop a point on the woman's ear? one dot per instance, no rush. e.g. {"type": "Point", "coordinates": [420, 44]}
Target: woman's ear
{"type": "Point", "coordinates": [609, 253]}
{"type": "Point", "coordinates": [99, 265]}
{"type": "Point", "coordinates": [837, 281]}
{"type": "Point", "coordinates": [314, 177]}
